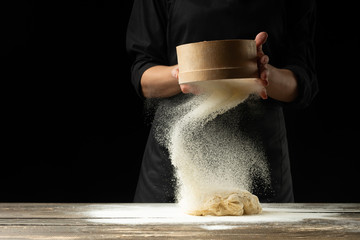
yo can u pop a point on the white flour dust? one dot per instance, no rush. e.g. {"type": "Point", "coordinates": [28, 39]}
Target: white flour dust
{"type": "Point", "coordinates": [214, 163]}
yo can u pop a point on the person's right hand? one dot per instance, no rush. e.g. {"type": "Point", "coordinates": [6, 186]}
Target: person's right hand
{"type": "Point", "coordinates": [185, 88]}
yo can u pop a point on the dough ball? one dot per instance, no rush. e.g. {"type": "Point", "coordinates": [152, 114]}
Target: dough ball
{"type": "Point", "coordinates": [229, 204]}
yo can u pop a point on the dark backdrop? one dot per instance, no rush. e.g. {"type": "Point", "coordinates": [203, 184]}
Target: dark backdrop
{"type": "Point", "coordinates": [73, 128]}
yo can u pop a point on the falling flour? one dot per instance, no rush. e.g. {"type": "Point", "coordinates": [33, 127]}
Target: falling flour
{"type": "Point", "coordinates": [214, 163]}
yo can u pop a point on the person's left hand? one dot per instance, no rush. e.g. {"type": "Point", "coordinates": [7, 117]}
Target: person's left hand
{"type": "Point", "coordinates": [262, 62]}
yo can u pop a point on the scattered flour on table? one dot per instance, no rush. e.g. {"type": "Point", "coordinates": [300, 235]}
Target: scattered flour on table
{"type": "Point", "coordinates": [145, 214]}
{"type": "Point", "coordinates": [214, 163]}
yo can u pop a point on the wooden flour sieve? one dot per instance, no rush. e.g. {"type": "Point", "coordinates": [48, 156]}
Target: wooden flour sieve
{"type": "Point", "coordinates": [216, 60]}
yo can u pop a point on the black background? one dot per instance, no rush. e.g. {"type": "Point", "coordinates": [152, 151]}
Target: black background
{"type": "Point", "coordinates": [73, 128]}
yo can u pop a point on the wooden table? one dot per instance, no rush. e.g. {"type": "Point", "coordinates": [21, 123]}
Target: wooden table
{"type": "Point", "coordinates": [166, 221]}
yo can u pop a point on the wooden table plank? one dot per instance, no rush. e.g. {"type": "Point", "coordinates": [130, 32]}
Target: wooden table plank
{"type": "Point", "coordinates": [179, 232]}
{"type": "Point", "coordinates": [165, 221]}
{"type": "Point", "coordinates": [79, 210]}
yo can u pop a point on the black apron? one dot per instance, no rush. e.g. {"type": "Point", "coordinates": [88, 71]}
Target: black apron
{"type": "Point", "coordinates": [262, 120]}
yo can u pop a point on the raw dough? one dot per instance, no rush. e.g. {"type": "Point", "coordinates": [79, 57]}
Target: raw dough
{"type": "Point", "coordinates": [229, 204]}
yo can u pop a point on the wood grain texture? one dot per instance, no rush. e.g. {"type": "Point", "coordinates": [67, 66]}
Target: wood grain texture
{"type": "Point", "coordinates": [165, 221]}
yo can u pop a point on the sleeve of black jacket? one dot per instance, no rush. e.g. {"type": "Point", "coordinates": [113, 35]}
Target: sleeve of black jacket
{"type": "Point", "coordinates": [300, 54]}
{"type": "Point", "coordinates": [146, 38]}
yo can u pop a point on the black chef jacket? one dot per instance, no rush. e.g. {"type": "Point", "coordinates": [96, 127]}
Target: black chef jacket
{"type": "Point", "coordinates": [156, 27]}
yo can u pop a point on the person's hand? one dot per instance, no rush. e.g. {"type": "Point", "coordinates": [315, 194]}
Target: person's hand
{"type": "Point", "coordinates": [185, 88]}
{"type": "Point", "coordinates": [262, 62]}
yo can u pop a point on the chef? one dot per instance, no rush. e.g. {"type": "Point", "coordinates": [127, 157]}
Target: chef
{"type": "Point", "coordinates": [284, 35]}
